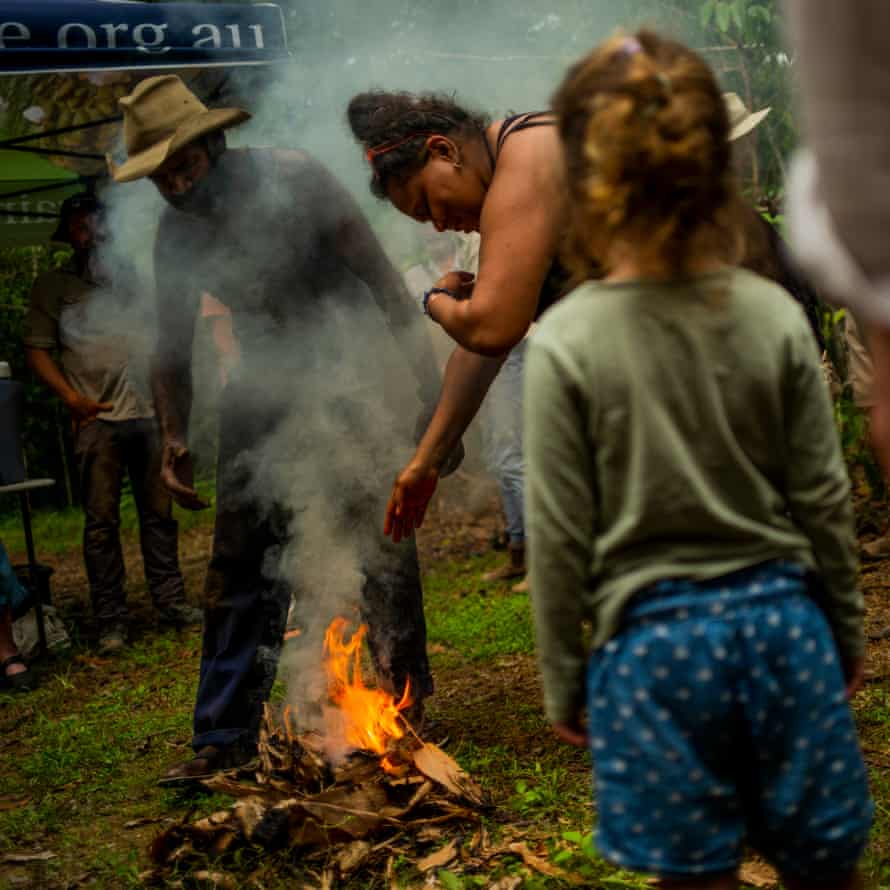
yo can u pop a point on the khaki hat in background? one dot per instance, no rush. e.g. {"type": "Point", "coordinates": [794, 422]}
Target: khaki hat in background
{"type": "Point", "coordinates": [741, 120]}
{"type": "Point", "coordinates": [161, 116]}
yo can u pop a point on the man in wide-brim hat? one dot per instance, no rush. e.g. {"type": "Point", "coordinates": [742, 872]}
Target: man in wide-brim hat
{"type": "Point", "coordinates": [741, 119]}
{"type": "Point", "coordinates": [161, 117]}
{"type": "Point", "coordinates": [274, 237]}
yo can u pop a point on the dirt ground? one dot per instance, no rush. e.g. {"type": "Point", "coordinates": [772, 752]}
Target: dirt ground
{"type": "Point", "coordinates": [495, 716]}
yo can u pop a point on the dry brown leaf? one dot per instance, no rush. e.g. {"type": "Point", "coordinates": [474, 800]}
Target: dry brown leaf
{"type": "Point", "coordinates": [418, 797]}
{"type": "Point", "coordinates": [544, 866]}
{"type": "Point", "coordinates": [145, 820]}
{"type": "Point", "coordinates": [391, 878]}
{"type": "Point", "coordinates": [216, 879]}
{"type": "Point", "coordinates": [430, 833]}
{"type": "Point", "coordinates": [249, 813]}
{"type": "Point", "coordinates": [225, 785]}
{"type": "Point", "coordinates": [11, 802]}
{"type": "Point", "coordinates": [440, 858]}
{"type": "Point", "coordinates": [758, 874]}
{"type": "Point", "coordinates": [508, 882]}
{"type": "Point", "coordinates": [433, 762]}
{"type": "Point", "coordinates": [352, 856]}
{"type": "Point", "coordinates": [16, 858]}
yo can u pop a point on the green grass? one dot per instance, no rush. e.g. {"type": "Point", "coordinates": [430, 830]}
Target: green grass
{"type": "Point", "coordinates": [58, 531]}
{"type": "Point", "coordinates": [87, 747]}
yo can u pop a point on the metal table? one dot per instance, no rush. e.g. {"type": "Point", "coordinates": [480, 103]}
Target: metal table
{"type": "Point", "coordinates": [22, 489]}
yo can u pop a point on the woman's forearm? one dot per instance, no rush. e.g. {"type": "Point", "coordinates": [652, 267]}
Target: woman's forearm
{"type": "Point", "coordinates": [467, 379]}
{"type": "Point", "coordinates": [485, 332]}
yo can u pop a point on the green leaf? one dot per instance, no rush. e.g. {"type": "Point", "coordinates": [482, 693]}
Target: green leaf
{"type": "Point", "coordinates": [738, 14]}
{"type": "Point", "coordinates": [449, 880]}
{"type": "Point", "coordinates": [760, 12]}
{"type": "Point", "coordinates": [706, 13]}
{"type": "Point", "coordinates": [573, 837]}
{"type": "Point", "coordinates": [723, 14]}
{"type": "Point", "coordinates": [563, 856]}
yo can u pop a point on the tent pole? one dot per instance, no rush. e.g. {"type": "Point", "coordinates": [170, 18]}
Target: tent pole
{"type": "Point", "coordinates": [5, 143]}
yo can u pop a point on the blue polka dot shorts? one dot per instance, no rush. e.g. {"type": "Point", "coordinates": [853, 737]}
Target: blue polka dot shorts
{"type": "Point", "coordinates": [718, 718]}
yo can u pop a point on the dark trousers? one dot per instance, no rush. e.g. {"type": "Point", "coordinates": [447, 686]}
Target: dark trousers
{"type": "Point", "coordinates": [247, 604]}
{"type": "Point", "coordinates": [105, 451]}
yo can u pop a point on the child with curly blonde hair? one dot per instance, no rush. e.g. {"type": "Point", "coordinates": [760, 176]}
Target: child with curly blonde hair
{"type": "Point", "coordinates": [687, 497]}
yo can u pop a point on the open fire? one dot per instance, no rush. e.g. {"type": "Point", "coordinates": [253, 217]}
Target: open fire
{"type": "Point", "coordinates": [371, 719]}
{"type": "Point", "coordinates": [389, 783]}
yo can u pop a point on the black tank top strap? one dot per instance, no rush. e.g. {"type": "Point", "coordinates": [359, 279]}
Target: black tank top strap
{"type": "Point", "coordinates": [525, 121]}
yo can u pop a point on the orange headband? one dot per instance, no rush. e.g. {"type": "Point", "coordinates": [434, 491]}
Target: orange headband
{"type": "Point", "coordinates": [389, 146]}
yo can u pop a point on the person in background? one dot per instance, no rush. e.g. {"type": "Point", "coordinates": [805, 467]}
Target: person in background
{"type": "Point", "coordinates": [501, 419]}
{"type": "Point", "coordinates": [14, 673]}
{"type": "Point", "coordinates": [860, 376]}
{"type": "Point", "coordinates": [765, 251]}
{"type": "Point", "coordinates": [276, 239]}
{"type": "Point", "coordinates": [80, 313]}
{"type": "Point", "coordinates": [688, 498]}
{"type": "Point", "coordinates": [839, 190]}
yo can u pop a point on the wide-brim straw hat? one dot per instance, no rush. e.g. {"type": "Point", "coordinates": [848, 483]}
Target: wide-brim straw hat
{"type": "Point", "coordinates": [741, 120]}
{"type": "Point", "coordinates": [161, 116]}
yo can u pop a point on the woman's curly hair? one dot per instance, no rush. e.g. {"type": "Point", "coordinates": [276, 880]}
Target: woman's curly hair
{"type": "Point", "coordinates": [646, 142]}
{"type": "Point", "coordinates": [379, 119]}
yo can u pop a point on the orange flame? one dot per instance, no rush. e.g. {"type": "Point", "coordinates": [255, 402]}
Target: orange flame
{"type": "Point", "coordinates": [371, 716]}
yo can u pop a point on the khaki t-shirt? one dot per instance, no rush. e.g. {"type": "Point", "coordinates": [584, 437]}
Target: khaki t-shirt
{"type": "Point", "coordinates": [101, 340]}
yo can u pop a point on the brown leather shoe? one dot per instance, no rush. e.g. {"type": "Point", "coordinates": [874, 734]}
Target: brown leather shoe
{"type": "Point", "coordinates": [207, 761]}
{"type": "Point", "coordinates": [515, 568]}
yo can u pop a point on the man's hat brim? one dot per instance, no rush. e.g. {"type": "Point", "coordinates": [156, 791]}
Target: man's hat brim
{"type": "Point", "coordinates": [747, 124]}
{"type": "Point", "coordinates": [147, 162]}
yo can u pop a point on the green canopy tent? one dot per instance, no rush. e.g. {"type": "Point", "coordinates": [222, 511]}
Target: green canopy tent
{"type": "Point", "coordinates": [31, 191]}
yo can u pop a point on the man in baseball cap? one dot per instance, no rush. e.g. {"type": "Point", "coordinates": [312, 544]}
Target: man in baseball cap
{"type": "Point", "coordinates": [274, 237]}
{"type": "Point", "coordinates": [80, 343]}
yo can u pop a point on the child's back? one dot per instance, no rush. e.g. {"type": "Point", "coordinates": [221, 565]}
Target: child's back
{"type": "Point", "coordinates": [709, 430]}
{"type": "Point", "coordinates": [687, 496]}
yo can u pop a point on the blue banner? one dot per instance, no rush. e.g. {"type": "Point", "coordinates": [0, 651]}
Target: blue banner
{"type": "Point", "coordinates": [82, 35]}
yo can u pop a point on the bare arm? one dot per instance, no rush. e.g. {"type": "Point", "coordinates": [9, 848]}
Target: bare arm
{"type": "Point", "coordinates": [83, 409]}
{"type": "Point", "coordinates": [171, 376]}
{"type": "Point", "coordinates": [467, 379]}
{"type": "Point", "coordinates": [521, 223]}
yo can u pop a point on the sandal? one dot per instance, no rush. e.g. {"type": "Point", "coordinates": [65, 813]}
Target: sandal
{"type": "Point", "coordinates": [23, 681]}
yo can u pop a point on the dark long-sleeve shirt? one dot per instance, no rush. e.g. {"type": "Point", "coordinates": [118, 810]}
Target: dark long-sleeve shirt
{"type": "Point", "coordinates": [311, 292]}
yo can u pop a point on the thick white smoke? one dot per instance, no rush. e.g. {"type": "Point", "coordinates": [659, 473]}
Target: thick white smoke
{"type": "Point", "coordinates": [494, 57]}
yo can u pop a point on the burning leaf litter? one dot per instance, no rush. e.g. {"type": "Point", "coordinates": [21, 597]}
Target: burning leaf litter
{"type": "Point", "coordinates": [349, 811]}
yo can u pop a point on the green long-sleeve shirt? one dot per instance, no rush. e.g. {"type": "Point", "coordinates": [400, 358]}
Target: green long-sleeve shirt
{"type": "Point", "coordinates": [675, 430]}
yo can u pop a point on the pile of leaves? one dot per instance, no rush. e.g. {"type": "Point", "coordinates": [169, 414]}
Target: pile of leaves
{"type": "Point", "coordinates": [350, 813]}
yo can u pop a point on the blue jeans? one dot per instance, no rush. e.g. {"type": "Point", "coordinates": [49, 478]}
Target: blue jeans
{"type": "Point", "coordinates": [502, 440]}
{"type": "Point", "coordinates": [246, 608]}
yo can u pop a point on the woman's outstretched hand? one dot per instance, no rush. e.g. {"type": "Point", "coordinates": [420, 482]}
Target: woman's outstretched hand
{"type": "Point", "coordinates": [411, 495]}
